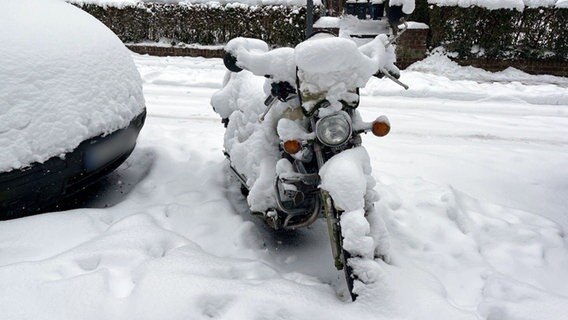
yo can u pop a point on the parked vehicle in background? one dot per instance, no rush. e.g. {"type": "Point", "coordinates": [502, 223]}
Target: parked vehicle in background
{"type": "Point", "coordinates": [71, 104]}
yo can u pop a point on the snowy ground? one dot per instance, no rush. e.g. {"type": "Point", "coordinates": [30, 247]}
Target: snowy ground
{"type": "Point", "coordinates": [473, 185]}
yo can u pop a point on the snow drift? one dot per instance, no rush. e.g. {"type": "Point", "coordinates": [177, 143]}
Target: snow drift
{"type": "Point", "coordinates": [450, 174]}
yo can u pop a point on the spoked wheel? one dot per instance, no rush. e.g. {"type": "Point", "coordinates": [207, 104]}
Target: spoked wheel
{"type": "Point", "coordinates": [343, 258]}
{"type": "Point", "coordinates": [350, 277]}
{"type": "Point", "coordinates": [244, 190]}
{"type": "Point", "coordinates": [340, 255]}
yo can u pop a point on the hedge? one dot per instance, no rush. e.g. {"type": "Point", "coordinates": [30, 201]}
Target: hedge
{"type": "Point", "coordinates": [202, 23]}
{"type": "Point", "coordinates": [534, 34]}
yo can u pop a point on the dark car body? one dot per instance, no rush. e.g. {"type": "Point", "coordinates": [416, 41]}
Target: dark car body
{"type": "Point", "coordinates": [41, 186]}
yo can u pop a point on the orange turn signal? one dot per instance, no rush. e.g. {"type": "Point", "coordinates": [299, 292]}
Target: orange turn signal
{"type": "Point", "coordinates": [380, 128]}
{"type": "Point", "coordinates": [292, 146]}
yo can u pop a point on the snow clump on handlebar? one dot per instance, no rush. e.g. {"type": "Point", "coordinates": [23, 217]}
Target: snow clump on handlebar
{"type": "Point", "coordinates": [337, 67]}
{"type": "Point", "coordinates": [341, 59]}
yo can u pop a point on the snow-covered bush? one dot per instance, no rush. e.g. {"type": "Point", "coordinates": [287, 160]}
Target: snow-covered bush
{"type": "Point", "coordinates": [129, 3]}
{"type": "Point", "coordinates": [518, 5]}
{"type": "Point", "coordinates": [501, 34]}
{"type": "Point", "coordinates": [496, 29]}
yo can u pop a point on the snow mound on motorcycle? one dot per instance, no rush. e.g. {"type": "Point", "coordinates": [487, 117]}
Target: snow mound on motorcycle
{"type": "Point", "coordinates": [336, 67]}
{"type": "Point", "coordinates": [327, 54]}
{"type": "Point", "coordinates": [253, 55]}
{"type": "Point", "coordinates": [252, 145]}
{"type": "Point", "coordinates": [344, 177]}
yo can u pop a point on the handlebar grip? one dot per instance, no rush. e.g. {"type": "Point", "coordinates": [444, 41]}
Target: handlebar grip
{"type": "Point", "coordinates": [380, 74]}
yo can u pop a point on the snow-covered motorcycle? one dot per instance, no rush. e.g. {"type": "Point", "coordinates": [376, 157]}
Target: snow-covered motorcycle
{"type": "Point", "coordinates": [297, 153]}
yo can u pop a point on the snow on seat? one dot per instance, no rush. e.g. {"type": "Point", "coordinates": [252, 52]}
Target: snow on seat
{"type": "Point", "coordinates": [64, 78]}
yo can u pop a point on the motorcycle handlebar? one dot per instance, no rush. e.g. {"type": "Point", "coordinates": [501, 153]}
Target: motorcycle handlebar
{"type": "Point", "coordinates": [253, 55]}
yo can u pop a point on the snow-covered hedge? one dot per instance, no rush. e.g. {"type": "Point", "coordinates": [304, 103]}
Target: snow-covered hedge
{"type": "Point", "coordinates": [476, 32]}
{"type": "Point", "coordinates": [130, 3]}
{"type": "Point", "coordinates": [205, 24]}
{"type": "Point", "coordinates": [518, 5]}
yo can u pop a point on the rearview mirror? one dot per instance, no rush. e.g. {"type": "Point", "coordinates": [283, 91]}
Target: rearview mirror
{"type": "Point", "coordinates": [395, 15]}
{"type": "Point", "coordinates": [230, 62]}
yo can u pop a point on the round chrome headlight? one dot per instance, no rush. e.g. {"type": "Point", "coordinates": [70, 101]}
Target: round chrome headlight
{"type": "Point", "coordinates": [334, 130]}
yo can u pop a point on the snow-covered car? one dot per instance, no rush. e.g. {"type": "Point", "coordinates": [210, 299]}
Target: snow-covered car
{"type": "Point", "coordinates": [71, 103]}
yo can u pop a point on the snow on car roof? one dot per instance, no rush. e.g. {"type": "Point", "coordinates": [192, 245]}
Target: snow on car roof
{"type": "Point", "coordinates": [64, 78]}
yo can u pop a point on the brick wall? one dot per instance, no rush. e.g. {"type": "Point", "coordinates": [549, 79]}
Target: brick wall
{"type": "Point", "coordinates": [175, 51]}
{"type": "Point", "coordinates": [411, 47]}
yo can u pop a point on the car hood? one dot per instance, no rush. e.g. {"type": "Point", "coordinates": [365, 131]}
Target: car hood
{"type": "Point", "coordinates": [64, 78]}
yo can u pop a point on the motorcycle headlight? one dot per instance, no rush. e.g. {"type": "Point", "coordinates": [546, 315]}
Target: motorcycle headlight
{"type": "Point", "coordinates": [334, 130]}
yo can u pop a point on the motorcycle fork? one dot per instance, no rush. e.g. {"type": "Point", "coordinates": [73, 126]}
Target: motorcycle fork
{"type": "Point", "coordinates": [331, 216]}
{"type": "Point", "coordinates": [332, 229]}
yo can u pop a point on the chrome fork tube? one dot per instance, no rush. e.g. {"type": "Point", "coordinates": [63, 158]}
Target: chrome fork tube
{"type": "Point", "coordinates": [317, 147]}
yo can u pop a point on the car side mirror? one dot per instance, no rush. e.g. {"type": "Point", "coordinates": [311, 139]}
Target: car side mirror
{"type": "Point", "coordinates": [230, 62]}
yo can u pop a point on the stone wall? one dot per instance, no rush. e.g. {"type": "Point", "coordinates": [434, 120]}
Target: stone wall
{"type": "Point", "coordinates": [176, 51]}
{"type": "Point", "coordinates": [411, 47]}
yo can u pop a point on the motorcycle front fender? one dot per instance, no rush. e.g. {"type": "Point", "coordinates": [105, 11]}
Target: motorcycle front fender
{"type": "Point", "coordinates": [345, 177]}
